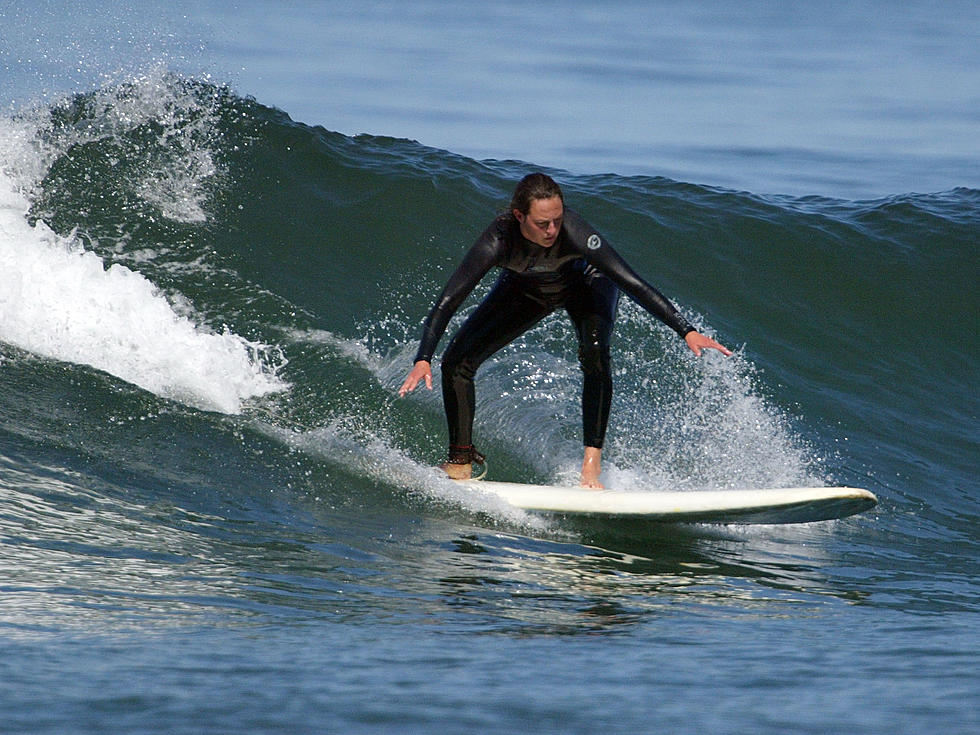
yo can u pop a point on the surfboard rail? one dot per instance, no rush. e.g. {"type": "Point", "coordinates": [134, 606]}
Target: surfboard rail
{"type": "Point", "coordinates": [773, 505]}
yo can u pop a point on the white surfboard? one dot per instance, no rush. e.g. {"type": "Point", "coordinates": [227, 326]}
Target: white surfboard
{"type": "Point", "coordinates": [782, 505]}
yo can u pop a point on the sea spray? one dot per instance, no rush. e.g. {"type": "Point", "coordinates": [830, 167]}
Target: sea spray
{"type": "Point", "coordinates": [362, 453]}
{"type": "Point", "coordinates": [59, 300]}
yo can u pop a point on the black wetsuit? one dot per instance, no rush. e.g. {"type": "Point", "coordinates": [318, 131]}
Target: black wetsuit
{"type": "Point", "coordinates": [580, 272]}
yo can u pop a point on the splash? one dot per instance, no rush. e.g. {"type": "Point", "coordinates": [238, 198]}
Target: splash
{"type": "Point", "coordinates": [60, 301]}
{"type": "Point", "coordinates": [157, 130]}
{"type": "Point", "coordinates": [678, 422]}
{"type": "Point", "coordinates": [367, 455]}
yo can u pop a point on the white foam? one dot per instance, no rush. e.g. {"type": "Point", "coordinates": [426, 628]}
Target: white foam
{"type": "Point", "coordinates": [59, 301]}
{"type": "Point", "coordinates": [175, 170]}
{"type": "Point", "coordinates": [373, 457]}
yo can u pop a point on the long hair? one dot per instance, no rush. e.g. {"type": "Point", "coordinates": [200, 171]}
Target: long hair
{"type": "Point", "coordinates": [531, 187]}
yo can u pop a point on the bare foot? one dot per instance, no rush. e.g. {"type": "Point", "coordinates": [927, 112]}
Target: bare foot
{"type": "Point", "coordinates": [457, 471]}
{"type": "Point", "coordinates": [591, 469]}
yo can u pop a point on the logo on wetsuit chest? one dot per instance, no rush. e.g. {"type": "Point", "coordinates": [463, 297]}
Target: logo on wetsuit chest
{"type": "Point", "coordinates": [594, 242]}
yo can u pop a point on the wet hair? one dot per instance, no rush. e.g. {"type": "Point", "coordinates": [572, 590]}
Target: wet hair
{"type": "Point", "coordinates": [531, 187]}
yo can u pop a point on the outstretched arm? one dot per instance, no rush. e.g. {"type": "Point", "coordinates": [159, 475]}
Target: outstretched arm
{"type": "Point", "coordinates": [477, 261]}
{"type": "Point", "coordinates": [591, 245]}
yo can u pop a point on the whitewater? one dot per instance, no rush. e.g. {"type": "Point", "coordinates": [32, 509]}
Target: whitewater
{"type": "Point", "coordinates": [220, 231]}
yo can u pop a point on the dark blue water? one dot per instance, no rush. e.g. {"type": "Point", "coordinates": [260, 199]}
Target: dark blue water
{"type": "Point", "coordinates": [220, 228]}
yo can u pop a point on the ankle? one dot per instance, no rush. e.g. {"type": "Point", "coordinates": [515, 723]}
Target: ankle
{"type": "Point", "coordinates": [457, 471]}
{"type": "Point", "coordinates": [592, 468]}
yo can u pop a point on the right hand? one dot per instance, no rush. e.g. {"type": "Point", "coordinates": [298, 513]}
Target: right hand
{"type": "Point", "coordinates": [421, 371]}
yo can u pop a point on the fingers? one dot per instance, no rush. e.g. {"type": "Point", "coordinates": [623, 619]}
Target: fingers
{"type": "Point", "coordinates": [409, 385]}
{"type": "Point", "coordinates": [712, 345]}
{"type": "Point", "coordinates": [699, 342]}
{"type": "Point", "coordinates": [419, 373]}
{"type": "Point", "coordinates": [721, 348]}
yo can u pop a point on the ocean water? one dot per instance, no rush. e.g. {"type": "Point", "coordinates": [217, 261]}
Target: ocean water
{"type": "Point", "coordinates": [220, 228]}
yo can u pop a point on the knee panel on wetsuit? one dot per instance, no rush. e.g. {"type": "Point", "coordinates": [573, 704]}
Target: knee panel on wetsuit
{"type": "Point", "coordinates": [455, 363]}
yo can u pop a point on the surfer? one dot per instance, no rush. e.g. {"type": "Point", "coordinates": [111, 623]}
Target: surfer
{"type": "Point", "coordinates": [550, 257]}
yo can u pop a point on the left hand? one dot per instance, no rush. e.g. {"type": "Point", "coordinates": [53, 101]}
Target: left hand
{"type": "Point", "coordinates": [422, 371]}
{"type": "Point", "coordinates": [698, 342]}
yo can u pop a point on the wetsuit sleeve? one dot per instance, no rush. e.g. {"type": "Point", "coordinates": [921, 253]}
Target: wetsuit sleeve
{"type": "Point", "coordinates": [605, 259]}
{"type": "Point", "coordinates": [479, 259]}
{"type": "Point", "coordinates": [612, 265]}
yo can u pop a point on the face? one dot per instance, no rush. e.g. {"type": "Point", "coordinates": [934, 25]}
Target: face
{"type": "Point", "coordinates": [542, 223]}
